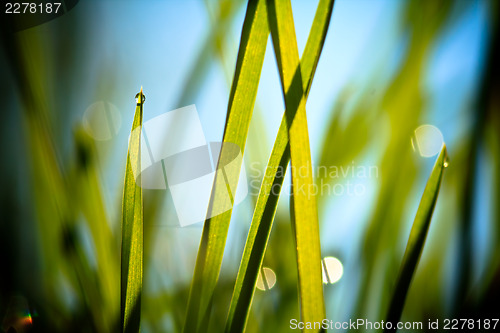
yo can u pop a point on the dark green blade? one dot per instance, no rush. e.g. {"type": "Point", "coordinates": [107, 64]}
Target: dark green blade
{"type": "Point", "coordinates": [417, 239]}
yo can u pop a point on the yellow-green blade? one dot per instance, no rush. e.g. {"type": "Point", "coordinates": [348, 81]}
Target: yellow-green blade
{"type": "Point", "coordinates": [267, 200]}
{"type": "Point", "coordinates": [132, 230]}
{"type": "Point", "coordinates": [303, 201]}
{"type": "Point", "coordinates": [417, 239]}
{"type": "Point", "coordinates": [253, 43]}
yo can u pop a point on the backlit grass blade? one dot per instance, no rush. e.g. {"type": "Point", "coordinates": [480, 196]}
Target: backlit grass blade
{"type": "Point", "coordinates": [132, 231]}
{"type": "Point", "coordinates": [254, 37]}
{"type": "Point", "coordinates": [303, 200]}
{"type": "Point", "coordinates": [267, 200]}
{"type": "Point", "coordinates": [417, 239]}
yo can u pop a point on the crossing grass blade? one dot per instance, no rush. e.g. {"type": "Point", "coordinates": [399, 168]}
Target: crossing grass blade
{"type": "Point", "coordinates": [417, 239]}
{"type": "Point", "coordinates": [303, 203]}
{"type": "Point", "coordinates": [243, 93]}
{"type": "Point", "coordinates": [132, 231]}
{"type": "Point", "coordinates": [267, 200]}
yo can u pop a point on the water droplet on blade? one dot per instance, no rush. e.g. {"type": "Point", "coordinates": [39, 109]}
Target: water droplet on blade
{"type": "Point", "coordinates": [137, 98]}
{"type": "Point", "coordinates": [446, 161]}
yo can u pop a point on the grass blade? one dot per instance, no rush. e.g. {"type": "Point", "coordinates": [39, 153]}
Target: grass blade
{"type": "Point", "coordinates": [241, 102]}
{"type": "Point", "coordinates": [267, 200]}
{"type": "Point", "coordinates": [417, 239]}
{"type": "Point", "coordinates": [89, 199]}
{"type": "Point", "coordinates": [224, 14]}
{"type": "Point", "coordinates": [132, 231]}
{"type": "Point", "coordinates": [303, 203]}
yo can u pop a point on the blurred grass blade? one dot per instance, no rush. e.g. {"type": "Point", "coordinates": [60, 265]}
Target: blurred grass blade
{"type": "Point", "coordinates": [398, 174]}
{"type": "Point", "coordinates": [253, 43]}
{"type": "Point", "coordinates": [225, 12]}
{"type": "Point", "coordinates": [303, 202]}
{"type": "Point", "coordinates": [417, 239]}
{"type": "Point", "coordinates": [132, 231]}
{"type": "Point", "coordinates": [89, 199]}
{"type": "Point", "coordinates": [48, 188]}
{"type": "Point", "coordinates": [267, 200]}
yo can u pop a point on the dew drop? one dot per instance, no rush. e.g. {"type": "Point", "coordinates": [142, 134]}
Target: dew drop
{"type": "Point", "coordinates": [446, 161]}
{"type": "Point", "coordinates": [137, 98]}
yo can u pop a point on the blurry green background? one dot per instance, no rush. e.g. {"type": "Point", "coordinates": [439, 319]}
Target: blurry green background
{"type": "Point", "coordinates": [387, 68]}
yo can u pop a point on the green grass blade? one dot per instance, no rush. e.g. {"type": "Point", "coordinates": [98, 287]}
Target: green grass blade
{"type": "Point", "coordinates": [303, 203]}
{"type": "Point", "coordinates": [267, 200]}
{"type": "Point", "coordinates": [259, 232]}
{"type": "Point", "coordinates": [417, 239]}
{"type": "Point", "coordinates": [132, 231]}
{"type": "Point", "coordinates": [253, 43]}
